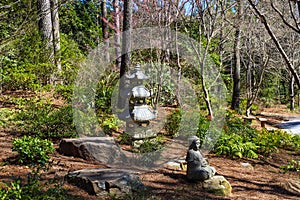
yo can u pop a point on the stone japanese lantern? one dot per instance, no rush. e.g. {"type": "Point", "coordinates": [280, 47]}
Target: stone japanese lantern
{"type": "Point", "coordinates": [139, 111]}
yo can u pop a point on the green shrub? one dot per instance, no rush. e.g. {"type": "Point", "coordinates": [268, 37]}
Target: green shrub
{"type": "Point", "coordinates": [33, 189]}
{"type": "Point", "coordinates": [296, 142]}
{"type": "Point", "coordinates": [150, 145]}
{"type": "Point", "coordinates": [233, 145]}
{"type": "Point", "coordinates": [173, 122]}
{"type": "Point", "coordinates": [18, 79]}
{"type": "Point", "coordinates": [109, 123]}
{"type": "Point", "coordinates": [241, 140]}
{"type": "Point", "coordinates": [235, 125]}
{"type": "Point", "coordinates": [104, 92]}
{"type": "Point", "coordinates": [12, 191]}
{"type": "Point", "coordinates": [270, 141]}
{"type": "Point", "coordinates": [43, 119]}
{"type": "Point", "coordinates": [65, 91]}
{"type": "Point", "coordinates": [125, 138]}
{"type": "Point", "coordinates": [33, 151]}
{"type": "Point", "coordinates": [203, 127]}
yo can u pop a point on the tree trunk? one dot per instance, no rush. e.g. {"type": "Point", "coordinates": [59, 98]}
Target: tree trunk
{"type": "Point", "coordinates": [105, 29]}
{"type": "Point", "coordinates": [235, 103]}
{"type": "Point", "coordinates": [125, 58]}
{"type": "Point", "coordinates": [45, 24]}
{"type": "Point", "coordinates": [292, 93]}
{"type": "Point", "coordinates": [249, 90]}
{"type": "Point", "coordinates": [127, 21]}
{"type": "Point", "coordinates": [56, 37]}
{"type": "Point", "coordinates": [117, 34]}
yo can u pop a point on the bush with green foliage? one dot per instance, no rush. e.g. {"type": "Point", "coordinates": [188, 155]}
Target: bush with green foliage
{"type": "Point", "coordinates": [241, 140]}
{"type": "Point", "coordinates": [109, 123]}
{"type": "Point", "coordinates": [270, 141]}
{"type": "Point", "coordinates": [151, 145]}
{"type": "Point", "coordinates": [43, 119]}
{"type": "Point", "coordinates": [124, 138]}
{"type": "Point", "coordinates": [234, 145]}
{"type": "Point", "coordinates": [33, 151]}
{"type": "Point", "coordinates": [173, 122]}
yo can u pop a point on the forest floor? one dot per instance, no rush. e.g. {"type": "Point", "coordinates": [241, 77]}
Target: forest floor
{"type": "Point", "coordinates": [262, 180]}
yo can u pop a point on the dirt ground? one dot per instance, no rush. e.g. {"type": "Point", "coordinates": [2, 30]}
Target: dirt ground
{"type": "Point", "coordinates": [262, 179]}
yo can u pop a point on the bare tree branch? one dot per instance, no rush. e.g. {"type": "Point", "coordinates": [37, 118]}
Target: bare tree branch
{"type": "Point", "coordinates": [284, 19]}
{"type": "Point", "coordinates": [275, 40]}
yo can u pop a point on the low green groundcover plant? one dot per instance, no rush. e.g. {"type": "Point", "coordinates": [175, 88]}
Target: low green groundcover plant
{"type": "Point", "coordinates": [33, 189]}
{"type": "Point", "coordinates": [43, 119]}
{"type": "Point", "coordinates": [292, 165]}
{"type": "Point", "coordinates": [32, 150]}
{"type": "Point", "coordinates": [241, 140]}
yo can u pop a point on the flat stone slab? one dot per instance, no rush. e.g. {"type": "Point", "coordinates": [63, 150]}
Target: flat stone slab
{"type": "Point", "coordinates": [105, 181]}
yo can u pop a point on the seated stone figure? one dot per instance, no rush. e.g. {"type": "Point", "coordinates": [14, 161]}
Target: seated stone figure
{"type": "Point", "coordinates": [197, 167]}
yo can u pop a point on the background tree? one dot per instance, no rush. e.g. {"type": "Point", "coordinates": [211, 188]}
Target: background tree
{"type": "Point", "coordinates": [235, 102]}
{"type": "Point", "coordinates": [126, 39]}
{"type": "Point", "coordinates": [105, 28]}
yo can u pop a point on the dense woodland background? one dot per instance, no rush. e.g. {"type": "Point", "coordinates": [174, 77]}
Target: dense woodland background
{"type": "Point", "coordinates": [254, 44]}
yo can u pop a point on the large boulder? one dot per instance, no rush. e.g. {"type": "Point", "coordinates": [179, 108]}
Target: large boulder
{"type": "Point", "coordinates": [101, 149]}
{"type": "Point", "coordinates": [106, 151]}
{"type": "Point", "coordinates": [105, 181]}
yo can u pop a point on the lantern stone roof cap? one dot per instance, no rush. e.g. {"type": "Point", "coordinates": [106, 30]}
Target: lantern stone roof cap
{"type": "Point", "coordinates": [140, 91]}
{"type": "Point", "coordinates": [137, 73]}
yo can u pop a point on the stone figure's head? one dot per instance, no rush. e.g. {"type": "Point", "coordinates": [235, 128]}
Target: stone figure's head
{"type": "Point", "coordinates": [195, 144]}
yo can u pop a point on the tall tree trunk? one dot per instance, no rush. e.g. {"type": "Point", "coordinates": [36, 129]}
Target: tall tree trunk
{"type": "Point", "coordinates": [125, 58]}
{"type": "Point", "coordinates": [235, 103]}
{"type": "Point", "coordinates": [117, 34]}
{"type": "Point", "coordinates": [203, 82]}
{"type": "Point", "coordinates": [56, 37]}
{"type": "Point", "coordinates": [249, 89]}
{"type": "Point", "coordinates": [292, 93]}
{"type": "Point", "coordinates": [45, 28]}
{"type": "Point", "coordinates": [105, 29]}
{"type": "Point", "coordinates": [45, 23]}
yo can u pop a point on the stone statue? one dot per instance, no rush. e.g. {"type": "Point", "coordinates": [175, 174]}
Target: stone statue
{"type": "Point", "coordinates": [197, 167]}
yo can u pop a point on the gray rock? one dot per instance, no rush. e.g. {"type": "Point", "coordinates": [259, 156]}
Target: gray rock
{"type": "Point", "coordinates": [173, 166]}
{"type": "Point", "coordinates": [106, 151]}
{"type": "Point", "coordinates": [177, 165]}
{"type": "Point", "coordinates": [103, 181]}
{"type": "Point", "coordinates": [247, 166]}
{"type": "Point", "coordinates": [217, 185]}
{"type": "Point", "coordinates": [101, 149]}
